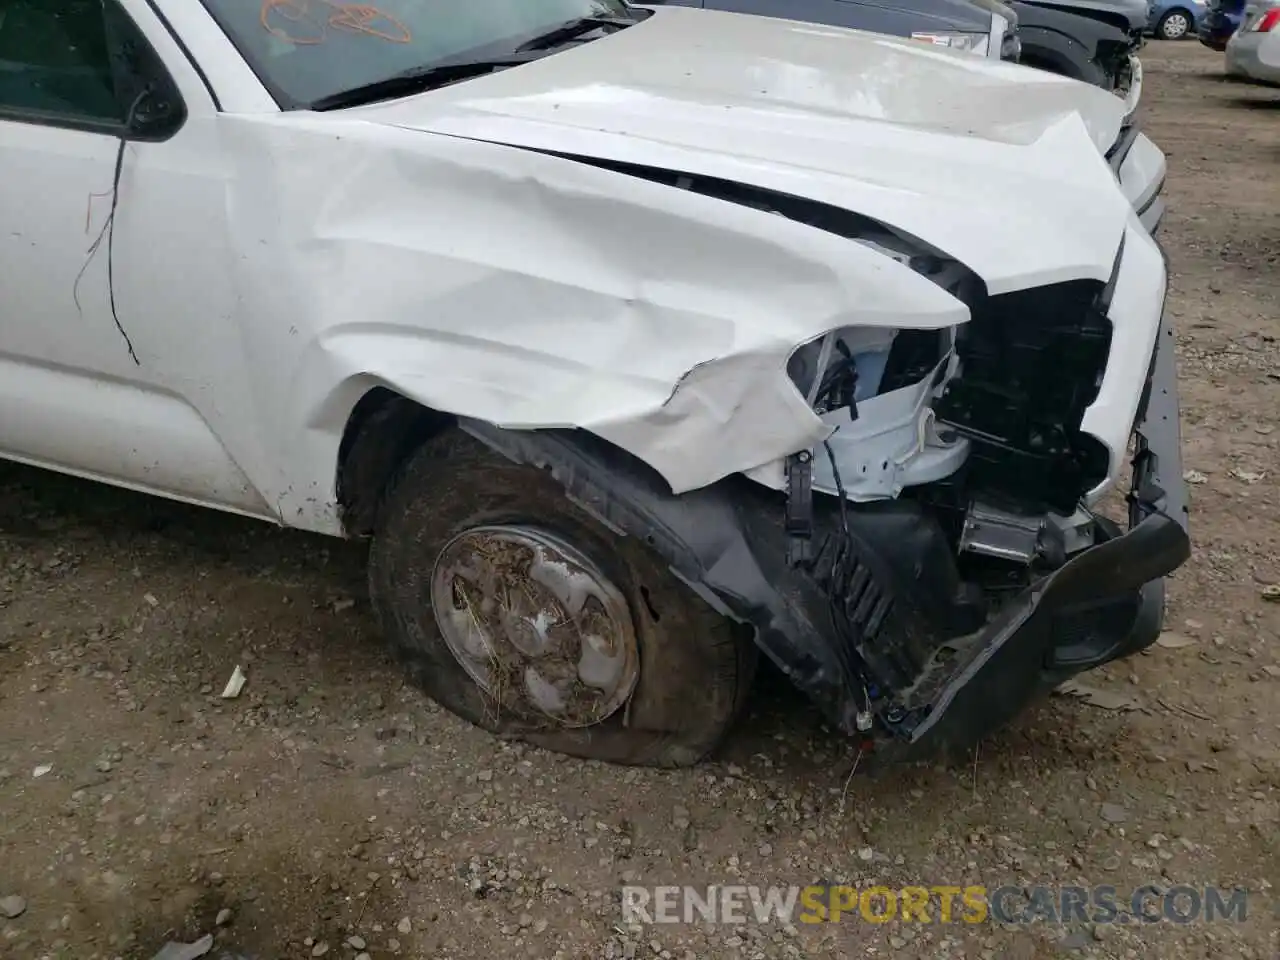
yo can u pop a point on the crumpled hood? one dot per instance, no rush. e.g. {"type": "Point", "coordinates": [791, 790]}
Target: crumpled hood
{"type": "Point", "coordinates": [997, 165]}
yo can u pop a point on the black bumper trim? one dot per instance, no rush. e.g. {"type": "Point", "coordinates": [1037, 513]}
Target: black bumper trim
{"type": "Point", "coordinates": [1015, 649]}
{"type": "Point", "coordinates": [1119, 150]}
{"type": "Point", "coordinates": [1152, 214]}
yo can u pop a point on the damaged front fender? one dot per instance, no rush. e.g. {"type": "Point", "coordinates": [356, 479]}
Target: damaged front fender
{"type": "Point", "coordinates": [534, 292]}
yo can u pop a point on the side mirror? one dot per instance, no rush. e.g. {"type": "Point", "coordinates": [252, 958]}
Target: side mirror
{"type": "Point", "coordinates": [153, 107]}
{"type": "Point", "coordinates": [155, 113]}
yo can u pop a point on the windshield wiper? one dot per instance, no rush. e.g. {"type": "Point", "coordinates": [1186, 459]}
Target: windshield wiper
{"type": "Point", "coordinates": [573, 28]}
{"type": "Point", "coordinates": [417, 80]}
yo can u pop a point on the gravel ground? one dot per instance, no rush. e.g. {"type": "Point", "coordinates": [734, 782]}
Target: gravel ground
{"type": "Point", "coordinates": [332, 811]}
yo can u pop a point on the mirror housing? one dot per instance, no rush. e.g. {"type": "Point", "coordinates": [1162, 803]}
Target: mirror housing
{"type": "Point", "coordinates": [152, 105]}
{"type": "Point", "coordinates": [156, 113]}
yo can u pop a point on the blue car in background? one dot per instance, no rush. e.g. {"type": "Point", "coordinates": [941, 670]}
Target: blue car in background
{"type": "Point", "coordinates": [1175, 19]}
{"type": "Point", "coordinates": [1220, 22]}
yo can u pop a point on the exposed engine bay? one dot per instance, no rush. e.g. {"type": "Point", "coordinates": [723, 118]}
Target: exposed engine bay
{"type": "Point", "coordinates": [980, 422]}
{"type": "Point", "coordinates": [989, 493]}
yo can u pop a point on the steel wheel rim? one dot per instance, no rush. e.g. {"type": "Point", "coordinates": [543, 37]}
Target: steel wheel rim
{"type": "Point", "coordinates": [1176, 26]}
{"type": "Point", "coordinates": [536, 625]}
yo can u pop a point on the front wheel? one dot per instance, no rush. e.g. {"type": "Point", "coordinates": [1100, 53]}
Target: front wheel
{"type": "Point", "coordinates": [1174, 25]}
{"type": "Point", "coordinates": [524, 615]}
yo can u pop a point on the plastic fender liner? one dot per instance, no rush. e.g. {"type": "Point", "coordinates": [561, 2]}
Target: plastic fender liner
{"type": "Point", "coordinates": [702, 535]}
{"type": "Point", "coordinates": [903, 597]}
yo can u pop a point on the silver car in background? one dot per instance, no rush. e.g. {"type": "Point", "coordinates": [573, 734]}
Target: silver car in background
{"type": "Point", "coordinates": [1253, 52]}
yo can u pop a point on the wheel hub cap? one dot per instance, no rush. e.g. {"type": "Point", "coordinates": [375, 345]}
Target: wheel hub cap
{"type": "Point", "coordinates": [535, 624]}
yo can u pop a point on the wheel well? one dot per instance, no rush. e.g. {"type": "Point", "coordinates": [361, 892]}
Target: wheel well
{"type": "Point", "coordinates": [1055, 61]}
{"type": "Point", "coordinates": [1050, 64]}
{"type": "Point", "coordinates": [383, 430]}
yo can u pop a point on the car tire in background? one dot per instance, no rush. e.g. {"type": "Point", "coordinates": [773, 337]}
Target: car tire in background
{"type": "Point", "coordinates": [1175, 25]}
{"type": "Point", "coordinates": [521, 613]}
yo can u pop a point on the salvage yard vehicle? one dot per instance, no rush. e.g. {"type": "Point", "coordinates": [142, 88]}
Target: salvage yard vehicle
{"type": "Point", "coordinates": [1220, 22]}
{"type": "Point", "coordinates": [1175, 19]}
{"type": "Point", "coordinates": [1094, 42]}
{"type": "Point", "coordinates": [637, 341]}
{"type": "Point", "coordinates": [982, 27]}
{"type": "Point", "coordinates": [1253, 52]}
{"type": "Point", "coordinates": [1085, 45]}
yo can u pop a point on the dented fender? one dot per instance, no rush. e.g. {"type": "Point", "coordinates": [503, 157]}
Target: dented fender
{"type": "Point", "coordinates": [534, 292]}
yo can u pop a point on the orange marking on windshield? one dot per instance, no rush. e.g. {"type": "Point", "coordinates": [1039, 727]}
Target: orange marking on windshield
{"type": "Point", "coordinates": [361, 18]}
{"type": "Point", "coordinates": [308, 22]}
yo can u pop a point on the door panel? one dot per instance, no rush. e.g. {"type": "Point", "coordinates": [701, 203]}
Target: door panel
{"type": "Point", "coordinates": [71, 396]}
{"type": "Point", "coordinates": [132, 394]}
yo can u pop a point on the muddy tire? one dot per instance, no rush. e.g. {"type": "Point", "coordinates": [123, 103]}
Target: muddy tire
{"type": "Point", "coordinates": [695, 667]}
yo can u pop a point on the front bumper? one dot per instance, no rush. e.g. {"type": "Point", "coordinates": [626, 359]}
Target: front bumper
{"type": "Point", "coordinates": [1133, 86]}
{"type": "Point", "coordinates": [1037, 642]}
{"type": "Point", "coordinates": [1245, 59]}
{"type": "Point", "coordinates": [1140, 167]}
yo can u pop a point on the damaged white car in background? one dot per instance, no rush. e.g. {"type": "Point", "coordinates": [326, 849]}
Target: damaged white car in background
{"type": "Point", "coordinates": [639, 341]}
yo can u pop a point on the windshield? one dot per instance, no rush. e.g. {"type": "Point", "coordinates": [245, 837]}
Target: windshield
{"type": "Point", "coordinates": [307, 50]}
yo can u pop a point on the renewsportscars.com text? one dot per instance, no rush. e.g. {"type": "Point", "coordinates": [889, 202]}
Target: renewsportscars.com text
{"type": "Point", "coordinates": [740, 904]}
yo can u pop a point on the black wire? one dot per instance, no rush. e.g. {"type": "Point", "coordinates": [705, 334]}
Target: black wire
{"type": "Point", "coordinates": [838, 561]}
{"type": "Point", "coordinates": [846, 366]}
{"type": "Point", "coordinates": [847, 649]}
{"type": "Point", "coordinates": [835, 472]}
{"type": "Point", "coordinates": [109, 231]}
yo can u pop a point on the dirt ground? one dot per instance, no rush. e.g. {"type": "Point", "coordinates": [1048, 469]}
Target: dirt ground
{"type": "Point", "coordinates": [330, 801]}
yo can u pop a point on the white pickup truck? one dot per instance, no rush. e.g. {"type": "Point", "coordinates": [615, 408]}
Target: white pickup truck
{"type": "Point", "coordinates": [638, 341]}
